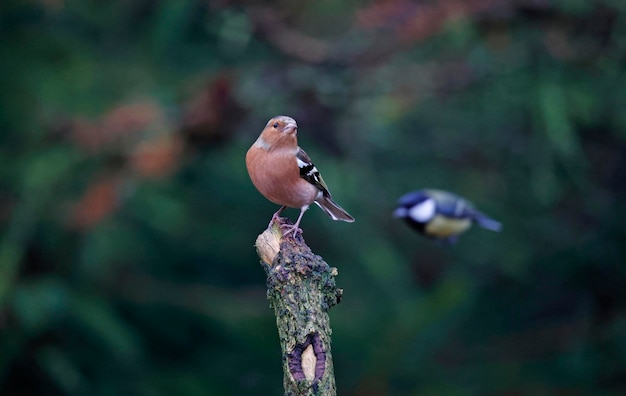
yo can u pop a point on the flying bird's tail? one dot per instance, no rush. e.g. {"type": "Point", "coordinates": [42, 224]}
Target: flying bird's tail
{"type": "Point", "coordinates": [486, 222]}
{"type": "Point", "coordinates": [332, 209]}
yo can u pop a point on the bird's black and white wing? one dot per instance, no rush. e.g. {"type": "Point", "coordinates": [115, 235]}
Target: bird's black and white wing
{"type": "Point", "coordinates": [309, 172]}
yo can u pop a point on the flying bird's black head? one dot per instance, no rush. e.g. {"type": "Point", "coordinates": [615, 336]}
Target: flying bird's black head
{"type": "Point", "coordinates": [417, 209]}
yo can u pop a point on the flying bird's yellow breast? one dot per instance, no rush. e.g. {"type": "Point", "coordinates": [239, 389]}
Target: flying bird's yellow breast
{"type": "Point", "coordinates": [444, 227]}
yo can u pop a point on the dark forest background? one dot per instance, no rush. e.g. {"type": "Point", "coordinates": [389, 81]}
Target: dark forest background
{"type": "Point", "coordinates": [127, 218]}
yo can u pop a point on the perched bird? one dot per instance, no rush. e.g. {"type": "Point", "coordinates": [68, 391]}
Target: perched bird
{"type": "Point", "coordinates": [441, 215]}
{"type": "Point", "coordinates": [285, 175]}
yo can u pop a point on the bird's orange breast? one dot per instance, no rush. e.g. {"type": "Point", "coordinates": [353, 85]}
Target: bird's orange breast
{"type": "Point", "coordinates": [277, 177]}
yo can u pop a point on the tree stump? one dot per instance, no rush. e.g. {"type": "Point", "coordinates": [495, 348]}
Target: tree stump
{"type": "Point", "coordinates": [301, 289]}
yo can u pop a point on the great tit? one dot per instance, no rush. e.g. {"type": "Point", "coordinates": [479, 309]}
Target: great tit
{"type": "Point", "coordinates": [441, 215]}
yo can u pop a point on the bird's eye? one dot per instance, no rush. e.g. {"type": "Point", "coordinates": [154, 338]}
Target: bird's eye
{"type": "Point", "coordinates": [275, 125]}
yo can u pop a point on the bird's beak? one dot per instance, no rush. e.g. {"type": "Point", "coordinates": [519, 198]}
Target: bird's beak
{"type": "Point", "coordinates": [291, 127]}
{"type": "Point", "coordinates": [400, 212]}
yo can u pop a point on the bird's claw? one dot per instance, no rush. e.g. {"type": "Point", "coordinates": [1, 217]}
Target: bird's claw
{"type": "Point", "coordinates": [273, 220]}
{"type": "Point", "coordinates": [276, 217]}
{"type": "Point", "coordinates": [286, 228]}
{"type": "Point", "coordinates": [291, 229]}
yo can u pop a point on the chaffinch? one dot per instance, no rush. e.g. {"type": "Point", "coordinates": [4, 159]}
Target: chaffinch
{"type": "Point", "coordinates": [441, 215]}
{"type": "Point", "coordinates": [285, 175]}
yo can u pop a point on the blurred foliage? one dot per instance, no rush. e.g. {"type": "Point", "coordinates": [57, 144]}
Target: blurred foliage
{"type": "Point", "coordinates": [127, 217]}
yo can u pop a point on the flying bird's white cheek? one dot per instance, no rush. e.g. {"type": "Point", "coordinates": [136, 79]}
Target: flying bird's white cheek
{"type": "Point", "coordinates": [423, 212]}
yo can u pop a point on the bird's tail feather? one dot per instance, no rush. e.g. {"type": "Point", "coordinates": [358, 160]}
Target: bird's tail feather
{"type": "Point", "coordinates": [486, 222]}
{"type": "Point", "coordinates": [335, 211]}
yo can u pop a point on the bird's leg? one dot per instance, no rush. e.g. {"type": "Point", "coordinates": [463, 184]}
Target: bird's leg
{"type": "Point", "coordinates": [295, 228]}
{"type": "Point", "coordinates": [275, 216]}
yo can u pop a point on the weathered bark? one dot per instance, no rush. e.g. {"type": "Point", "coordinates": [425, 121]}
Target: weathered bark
{"type": "Point", "coordinates": [301, 289]}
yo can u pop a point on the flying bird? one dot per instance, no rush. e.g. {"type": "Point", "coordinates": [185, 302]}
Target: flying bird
{"type": "Point", "coordinates": [441, 215]}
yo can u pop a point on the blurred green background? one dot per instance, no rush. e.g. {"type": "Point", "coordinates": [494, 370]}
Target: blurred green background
{"type": "Point", "coordinates": [127, 264]}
